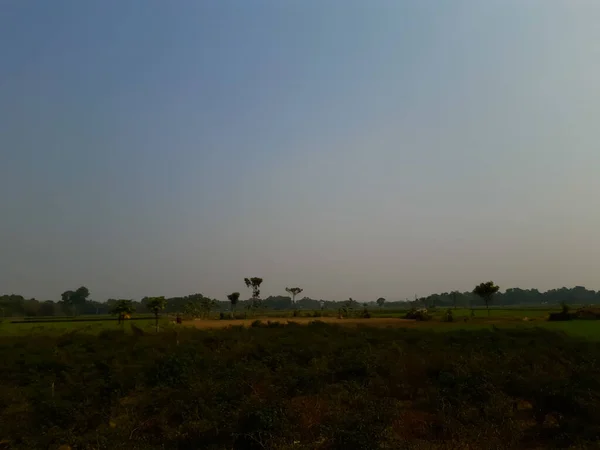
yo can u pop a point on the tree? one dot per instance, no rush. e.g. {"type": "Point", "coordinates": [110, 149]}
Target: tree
{"type": "Point", "coordinates": [122, 309]}
{"type": "Point", "coordinates": [254, 284]}
{"type": "Point", "coordinates": [199, 307]}
{"type": "Point", "coordinates": [156, 305]}
{"type": "Point", "coordinates": [233, 298]}
{"type": "Point", "coordinates": [73, 299]}
{"type": "Point", "coordinates": [454, 295]}
{"type": "Point", "coordinates": [47, 308]}
{"type": "Point", "coordinates": [381, 302]}
{"type": "Point", "coordinates": [294, 291]}
{"type": "Point", "coordinates": [486, 291]}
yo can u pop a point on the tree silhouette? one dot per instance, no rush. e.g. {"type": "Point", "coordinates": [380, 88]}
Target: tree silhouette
{"type": "Point", "coordinates": [486, 291]}
{"type": "Point", "coordinates": [381, 302]}
{"type": "Point", "coordinates": [454, 295]}
{"type": "Point", "coordinates": [294, 291]}
{"type": "Point", "coordinates": [254, 284]}
{"type": "Point", "coordinates": [73, 299]}
{"type": "Point", "coordinates": [123, 308]}
{"type": "Point", "coordinates": [233, 298]}
{"type": "Point", "coordinates": [156, 305]}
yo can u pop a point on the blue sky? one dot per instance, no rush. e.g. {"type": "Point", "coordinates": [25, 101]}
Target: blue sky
{"type": "Point", "coordinates": [363, 149]}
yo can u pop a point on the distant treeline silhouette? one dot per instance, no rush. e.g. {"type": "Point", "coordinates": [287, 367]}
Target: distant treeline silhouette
{"type": "Point", "coordinates": [78, 303]}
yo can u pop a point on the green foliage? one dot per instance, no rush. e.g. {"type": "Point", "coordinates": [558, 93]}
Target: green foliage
{"type": "Point", "coordinates": [72, 300]}
{"type": "Point", "coordinates": [233, 298]}
{"type": "Point", "coordinates": [380, 302]}
{"type": "Point", "coordinates": [156, 305]}
{"type": "Point", "coordinates": [279, 386]}
{"type": "Point", "coordinates": [294, 291]}
{"type": "Point", "coordinates": [486, 291]}
{"type": "Point", "coordinates": [123, 308]}
{"type": "Point", "coordinates": [200, 308]}
{"type": "Point", "coordinates": [254, 284]}
{"type": "Point", "coordinates": [420, 314]}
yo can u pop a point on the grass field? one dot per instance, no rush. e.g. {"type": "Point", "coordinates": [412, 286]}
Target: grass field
{"type": "Point", "coordinates": [313, 387]}
{"type": "Point", "coordinates": [520, 318]}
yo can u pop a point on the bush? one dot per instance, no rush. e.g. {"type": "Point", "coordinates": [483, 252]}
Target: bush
{"type": "Point", "coordinates": [418, 314]}
{"type": "Point", "coordinates": [257, 323]}
{"type": "Point", "coordinates": [303, 387]}
{"type": "Point", "coordinates": [561, 316]}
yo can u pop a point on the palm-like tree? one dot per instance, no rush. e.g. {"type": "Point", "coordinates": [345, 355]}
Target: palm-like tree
{"type": "Point", "coordinates": [294, 291]}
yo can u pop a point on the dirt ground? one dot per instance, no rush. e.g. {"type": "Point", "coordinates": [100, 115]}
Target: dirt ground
{"type": "Point", "coordinates": [385, 322]}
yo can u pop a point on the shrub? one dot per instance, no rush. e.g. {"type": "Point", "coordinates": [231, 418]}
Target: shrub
{"type": "Point", "coordinates": [257, 323]}
{"type": "Point", "coordinates": [418, 314]}
{"type": "Point", "coordinates": [561, 316]}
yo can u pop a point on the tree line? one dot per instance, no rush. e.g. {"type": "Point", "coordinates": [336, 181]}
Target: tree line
{"type": "Point", "coordinates": [78, 302]}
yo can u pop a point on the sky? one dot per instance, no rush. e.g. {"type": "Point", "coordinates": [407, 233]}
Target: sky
{"type": "Point", "coordinates": [353, 148]}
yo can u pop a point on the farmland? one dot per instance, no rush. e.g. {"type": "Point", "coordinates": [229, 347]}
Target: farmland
{"type": "Point", "coordinates": [278, 380]}
{"type": "Point", "coordinates": [276, 384]}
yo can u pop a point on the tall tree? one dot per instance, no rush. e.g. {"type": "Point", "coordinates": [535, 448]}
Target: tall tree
{"type": "Point", "coordinates": [381, 302]}
{"type": "Point", "coordinates": [254, 284]}
{"type": "Point", "coordinates": [454, 295]}
{"type": "Point", "coordinates": [294, 291]}
{"type": "Point", "coordinates": [122, 309]}
{"type": "Point", "coordinates": [233, 298]}
{"type": "Point", "coordinates": [156, 305]}
{"type": "Point", "coordinates": [486, 291]}
{"type": "Point", "coordinates": [74, 299]}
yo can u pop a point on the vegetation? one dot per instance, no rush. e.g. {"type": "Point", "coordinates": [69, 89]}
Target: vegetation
{"type": "Point", "coordinates": [318, 387]}
{"type": "Point", "coordinates": [486, 291]}
{"type": "Point", "coordinates": [123, 309]}
{"type": "Point", "coordinates": [74, 299]}
{"type": "Point", "coordinates": [294, 291]}
{"type": "Point", "coordinates": [156, 305]}
{"type": "Point", "coordinates": [233, 298]}
{"type": "Point", "coordinates": [18, 306]}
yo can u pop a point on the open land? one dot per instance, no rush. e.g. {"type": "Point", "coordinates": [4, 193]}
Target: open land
{"type": "Point", "coordinates": [507, 380]}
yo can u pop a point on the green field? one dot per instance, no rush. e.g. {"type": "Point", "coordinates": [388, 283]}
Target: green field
{"type": "Point", "coordinates": [313, 387]}
{"type": "Point", "coordinates": [519, 318]}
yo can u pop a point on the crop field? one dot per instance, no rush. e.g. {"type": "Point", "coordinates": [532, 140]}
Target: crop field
{"type": "Point", "coordinates": [519, 318]}
{"type": "Point", "coordinates": [280, 385]}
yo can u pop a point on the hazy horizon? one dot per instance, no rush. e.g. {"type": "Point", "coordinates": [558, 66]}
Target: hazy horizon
{"type": "Point", "coordinates": [364, 150]}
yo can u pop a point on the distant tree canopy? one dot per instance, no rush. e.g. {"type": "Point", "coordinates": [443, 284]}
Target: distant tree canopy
{"type": "Point", "coordinates": [13, 305]}
{"type": "Point", "coordinates": [75, 299]}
